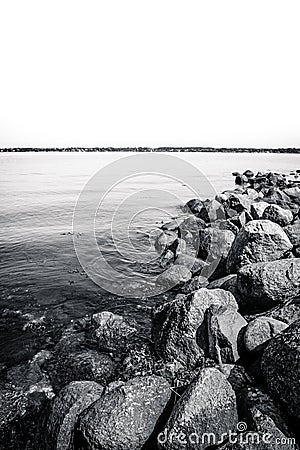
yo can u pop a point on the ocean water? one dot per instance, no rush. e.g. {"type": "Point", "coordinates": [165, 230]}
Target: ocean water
{"type": "Point", "coordinates": [43, 286]}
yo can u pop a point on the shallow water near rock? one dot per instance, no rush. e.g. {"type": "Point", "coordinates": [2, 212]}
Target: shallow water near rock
{"type": "Point", "coordinates": [42, 284]}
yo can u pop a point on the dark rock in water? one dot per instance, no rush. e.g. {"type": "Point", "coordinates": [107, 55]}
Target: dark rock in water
{"type": "Point", "coordinates": [174, 276]}
{"type": "Point", "coordinates": [293, 233]}
{"type": "Point", "coordinates": [113, 332]}
{"type": "Point", "coordinates": [66, 409]}
{"type": "Point", "coordinates": [171, 226]}
{"type": "Point", "coordinates": [194, 284]}
{"type": "Point", "coordinates": [251, 400]}
{"type": "Point", "coordinates": [164, 240]}
{"type": "Point", "coordinates": [89, 365]}
{"type": "Point", "coordinates": [257, 209]}
{"type": "Point", "coordinates": [175, 324]}
{"type": "Point", "coordinates": [212, 211]}
{"type": "Point", "coordinates": [279, 215]}
{"type": "Point", "coordinates": [267, 284]}
{"type": "Point", "coordinates": [207, 406]}
{"type": "Point", "coordinates": [195, 265]}
{"type": "Point", "coordinates": [248, 173]}
{"type": "Point", "coordinates": [241, 179]}
{"type": "Point", "coordinates": [235, 174]}
{"type": "Point", "coordinates": [260, 330]}
{"type": "Point", "coordinates": [220, 334]}
{"type": "Point", "coordinates": [126, 414]}
{"type": "Point", "coordinates": [258, 241]}
{"type": "Point", "coordinates": [194, 206]}
{"type": "Point", "coordinates": [281, 368]}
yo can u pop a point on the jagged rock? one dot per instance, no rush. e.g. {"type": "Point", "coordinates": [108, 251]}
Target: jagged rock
{"type": "Point", "coordinates": [260, 330]}
{"type": "Point", "coordinates": [164, 240]}
{"type": "Point", "coordinates": [89, 365]}
{"type": "Point", "coordinates": [126, 414]}
{"type": "Point", "coordinates": [257, 209]}
{"type": "Point", "coordinates": [195, 265]}
{"type": "Point", "coordinates": [248, 173]}
{"type": "Point", "coordinates": [266, 284]}
{"type": "Point", "coordinates": [237, 377]}
{"type": "Point", "coordinates": [287, 313]}
{"type": "Point", "coordinates": [293, 233]}
{"type": "Point", "coordinates": [211, 211]}
{"type": "Point", "coordinates": [220, 334]}
{"type": "Point", "coordinates": [175, 324]}
{"type": "Point", "coordinates": [293, 192]}
{"type": "Point", "coordinates": [281, 368]}
{"type": "Point", "coordinates": [207, 406]}
{"type": "Point", "coordinates": [173, 225]}
{"type": "Point", "coordinates": [173, 276]}
{"type": "Point", "coordinates": [71, 401]}
{"type": "Point", "coordinates": [279, 215]}
{"type": "Point", "coordinates": [226, 225]}
{"type": "Point", "coordinates": [194, 206]}
{"type": "Point", "coordinates": [113, 332]}
{"type": "Point", "coordinates": [258, 241]}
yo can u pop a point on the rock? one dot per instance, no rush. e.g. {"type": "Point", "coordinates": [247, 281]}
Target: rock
{"type": "Point", "coordinates": [251, 400]}
{"type": "Point", "coordinates": [257, 209]}
{"type": "Point", "coordinates": [227, 225]}
{"type": "Point", "coordinates": [164, 240]}
{"type": "Point", "coordinates": [270, 283]}
{"type": "Point", "coordinates": [207, 406]}
{"type": "Point", "coordinates": [194, 284]}
{"type": "Point", "coordinates": [288, 313]}
{"type": "Point", "coordinates": [258, 241]}
{"type": "Point", "coordinates": [72, 400]}
{"type": "Point", "coordinates": [293, 233]}
{"type": "Point", "coordinates": [248, 173]}
{"type": "Point", "coordinates": [237, 377]}
{"type": "Point", "coordinates": [241, 179]}
{"type": "Point", "coordinates": [193, 206]}
{"type": "Point", "coordinates": [278, 215]}
{"type": "Point", "coordinates": [126, 415]}
{"type": "Point", "coordinates": [293, 192]}
{"type": "Point", "coordinates": [175, 324]}
{"type": "Point", "coordinates": [173, 276]}
{"type": "Point", "coordinates": [173, 225]}
{"type": "Point", "coordinates": [113, 332]}
{"type": "Point", "coordinates": [220, 334]}
{"type": "Point", "coordinates": [281, 368]}
{"type": "Point", "coordinates": [260, 330]}
{"type": "Point", "coordinates": [81, 365]}
{"type": "Point", "coordinates": [195, 265]}
{"type": "Point", "coordinates": [211, 211]}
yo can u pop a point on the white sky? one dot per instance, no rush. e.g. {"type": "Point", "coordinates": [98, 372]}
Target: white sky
{"type": "Point", "coordinates": [149, 73]}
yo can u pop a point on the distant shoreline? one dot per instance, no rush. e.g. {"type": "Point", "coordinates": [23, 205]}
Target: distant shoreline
{"type": "Point", "coordinates": [148, 149]}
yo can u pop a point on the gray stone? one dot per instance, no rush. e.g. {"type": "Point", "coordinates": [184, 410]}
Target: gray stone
{"type": "Point", "coordinates": [270, 283]}
{"type": "Point", "coordinates": [125, 416]}
{"type": "Point", "coordinates": [281, 368]}
{"type": "Point", "coordinates": [258, 241]}
{"type": "Point", "coordinates": [195, 265]}
{"type": "Point", "coordinates": [257, 209]}
{"type": "Point", "coordinates": [207, 406]}
{"type": "Point", "coordinates": [260, 330]}
{"type": "Point", "coordinates": [173, 276]}
{"type": "Point", "coordinates": [293, 233]}
{"type": "Point", "coordinates": [279, 215]}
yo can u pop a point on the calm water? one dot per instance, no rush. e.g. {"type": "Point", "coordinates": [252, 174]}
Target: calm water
{"type": "Point", "coordinates": [42, 284]}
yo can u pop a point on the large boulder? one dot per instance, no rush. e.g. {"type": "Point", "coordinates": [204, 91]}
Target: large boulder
{"type": "Point", "coordinates": [175, 325]}
{"type": "Point", "coordinates": [113, 332]}
{"type": "Point", "coordinates": [71, 401]}
{"type": "Point", "coordinates": [258, 241]}
{"type": "Point", "coordinates": [279, 215]}
{"type": "Point", "coordinates": [175, 275]}
{"type": "Point", "coordinates": [293, 233]}
{"type": "Point", "coordinates": [215, 243]}
{"type": "Point", "coordinates": [281, 368]}
{"type": "Point", "coordinates": [260, 330]}
{"type": "Point", "coordinates": [80, 365]}
{"type": "Point", "coordinates": [212, 210]}
{"type": "Point", "coordinates": [207, 408]}
{"type": "Point", "coordinates": [257, 209]}
{"type": "Point", "coordinates": [266, 284]}
{"type": "Point", "coordinates": [220, 335]}
{"type": "Point", "coordinates": [126, 414]}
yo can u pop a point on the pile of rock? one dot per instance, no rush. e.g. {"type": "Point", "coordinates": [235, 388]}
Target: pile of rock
{"type": "Point", "coordinates": [224, 350]}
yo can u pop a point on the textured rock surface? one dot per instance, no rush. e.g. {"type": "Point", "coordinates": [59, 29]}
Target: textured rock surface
{"type": "Point", "coordinates": [265, 284]}
{"type": "Point", "coordinates": [126, 414]}
{"type": "Point", "coordinates": [293, 232]}
{"type": "Point", "coordinates": [195, 265]}
{"type": "Point", "coordinates": [278, 215]}
{"type": "Point", "coordinates": [258, 208]}
{"type": "Point", "coordinates": [260, 330]}
{"type": "Point", "coordinates": [281, 367]}
{"type": "Point", "coordinates": [173, 276]}
{"type": "Point", "coordinates": [258, 241]}
{"type": "Point", "coordinates": [207, 406]}
{"type": "Point", "coordinates": [175, 324]}
{"type": "Point", "coordinates": [67, 406]}
{"type": "Point", "coordinates": [113, 332]}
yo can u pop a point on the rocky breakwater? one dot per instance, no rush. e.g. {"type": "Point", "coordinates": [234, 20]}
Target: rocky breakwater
{"type": "Point", "coordinates": [222, 366]}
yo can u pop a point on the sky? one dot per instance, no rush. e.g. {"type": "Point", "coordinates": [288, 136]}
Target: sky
{"type": "Point", "coordinates": [149, 73]}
